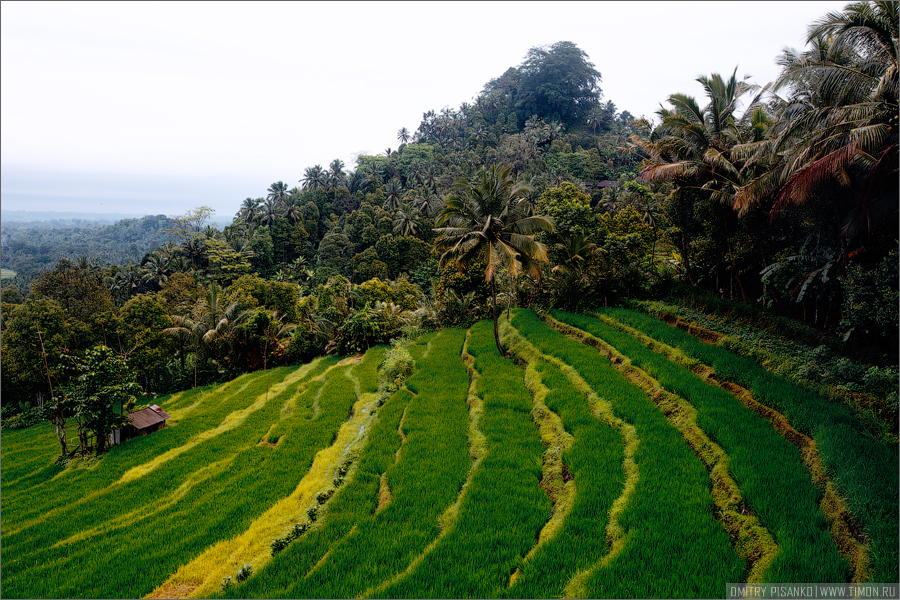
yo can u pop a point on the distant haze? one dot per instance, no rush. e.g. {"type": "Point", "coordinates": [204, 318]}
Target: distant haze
{"type": "Point", "coordinates": [150, 108]}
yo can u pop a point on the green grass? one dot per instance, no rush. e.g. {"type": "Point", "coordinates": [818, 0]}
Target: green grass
{"type": "Point", "coordinates": [768, 468]}
{"type": "Point", "coordinates": [367, 548]}
{"type": "Point", "coordinates": [464, 512]}
{"type": "Point", "coordinates": [227, 480]}
{"type": "Point", "coordinates": [504, 507]}
{"type": "Point", "coordinates": [595, 463]}
{"type": "Point", "coordinates": [7, 274]}
{"type": "Point", "coordinates": [670, 512]}
{"type": "Point", "coordinates": [864, 469]}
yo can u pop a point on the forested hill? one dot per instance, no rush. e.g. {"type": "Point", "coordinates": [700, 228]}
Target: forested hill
{"type": "Point", "coordinates": [31, 248]}
{"type": "Point", "coordinates": [539, 193]}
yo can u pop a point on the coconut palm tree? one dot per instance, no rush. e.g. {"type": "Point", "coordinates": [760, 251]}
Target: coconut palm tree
{"type": "Point", "coordinates": [278, 191]}
{"type": "Point", "coordinates": [292, 209]}
{"type": "Point", "coordinates": [393, 190]}
{"type": "Point", "coordinates": [481, 218]}
{"type": "Point", "coordinates": [840, 118]}
{"type": "Point", "coordinates": [403, 135]}
{"type": "Point", "coordinates": [694, 147]}
{"type": "Point", "coordinates": [407, 220]}
{"type": "Point", "coordinates": [208, 326]}
{"type": "Point", "coordinates": [155, 269]}
{"type": "Point", "coordinates": [249, 209]}
{"type": "Point", "coordinates": [271, 212]}
{"type": "Point", "coordinates": [336, 175]}
{"type": "Point", "coordinates": [314, 178]}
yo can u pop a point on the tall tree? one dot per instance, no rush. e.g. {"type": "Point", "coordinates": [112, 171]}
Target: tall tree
{"type": "Point", "coordinates": [206, 327]}
{"type": "Point", "coordinates": [558, 82]}
{"type": "Point", "coordinates": [336, 173]}
{"type": "Point", "coordinates": [482, 219]}
{"type": "Point", "coordinates": [278, 192]}
{"type": "Point", "coordinates": [839, 121]}
{"type": "Point", "coordinates": [314, 178]}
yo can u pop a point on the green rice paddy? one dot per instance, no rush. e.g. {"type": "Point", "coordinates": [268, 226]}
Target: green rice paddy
{"type": "Point", "coordinates": [451, 489]}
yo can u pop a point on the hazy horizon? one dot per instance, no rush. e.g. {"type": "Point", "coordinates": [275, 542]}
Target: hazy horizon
{"type": "Point", "coordinates": [166, 107]}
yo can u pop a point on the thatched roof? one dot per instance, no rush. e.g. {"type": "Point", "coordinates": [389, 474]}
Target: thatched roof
{"type": "Point", "coordinates": [147, 417]}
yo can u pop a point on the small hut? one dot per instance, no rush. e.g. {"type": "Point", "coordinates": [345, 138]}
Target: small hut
{"type": "Point", "coordinates": [143, 422]}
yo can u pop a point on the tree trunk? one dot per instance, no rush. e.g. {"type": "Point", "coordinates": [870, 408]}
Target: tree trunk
{"type": "Point", "coordinates": [684, 260]}
{"type": "Point", "coordinates": [494, 306]}
{"type": "Point", "coordinates": [734, 271]}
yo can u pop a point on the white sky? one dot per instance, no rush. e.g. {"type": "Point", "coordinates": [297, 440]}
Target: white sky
{"type": "Point", "coordinates": [161, 107]}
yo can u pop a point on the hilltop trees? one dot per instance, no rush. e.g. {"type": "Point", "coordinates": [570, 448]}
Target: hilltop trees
{"type": "Point", "coordinates": [557, 83]}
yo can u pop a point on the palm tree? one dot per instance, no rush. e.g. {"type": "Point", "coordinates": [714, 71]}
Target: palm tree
{"type": "Point", "coordinates": [482, 219]}
{"type": "Point", "coordinates": [357, 182]}
{"type": "Point", "coordinates": [392, 191]}
{"type": "Point", "coordinates": [414, 173]}
{"type": "Point", "coordinates": [403, 135]}
{"type": "Point", "coordinates": [336, 173]}
{"type": "Point", "coordinates": [839, 123]}
{"type": "Point", "coordinates": [249, 209]}
{"type": "Point", "coordinates": [693, 147]}
{"type": "Point", "coordinates": [206, 327]}
{"type": "Point", "coordinates": [374, 172]}
{"type": "Point", "coordinates": [129, 278]}
{"type": "Point", "coordinates": [430, 175]}
{"type": "Point", "coordinates": [278, 191]}
{"type": "Point", "coordinates": [156, 269]}
{"type": "Point", "coordinates": [571, 277]}
{"type": "Point", "coordinates": [292, 209]}
{"type": "Point", "coordinates": [407, 220]}
{"type": "Point", "coordinates": [314, 178]}
{"type": "Point", "coordinates": [428, 201]}
{"type": "Point", "coordinates": [271, 212]}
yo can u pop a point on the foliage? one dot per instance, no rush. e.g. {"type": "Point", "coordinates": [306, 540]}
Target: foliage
{"type": "Point", "coordinates": [33, 330]}
{"type": "Point", "coordinates": [557, 83]}
{"type": "Point", "coordinates": [102, 391]}
{"type": "Point", "coordinates": [397, 366]}
{"type": "Point", "coordinates": [31, 248]}
{"type": "Point", "coordinates": [484, 218]}
{"type": "Point", "coordinates": [870, 303]}
{"type": "Point", "coordinates": [144, 318]}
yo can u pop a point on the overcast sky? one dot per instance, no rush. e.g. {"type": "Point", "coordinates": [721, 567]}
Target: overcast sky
{"type": "Point", "coordinates": [161, 107]}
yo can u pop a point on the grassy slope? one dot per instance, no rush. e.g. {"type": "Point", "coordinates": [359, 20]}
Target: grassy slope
{"type": "Point", "coordinates": [767, 467]}
{"type": "Point", "coordinates": [424, 479]}
{"type": "Point", "coordinates": [670, 513]}
{"type": "Point", "coordinates": [865, 469]}
{"type": "Point", "coordinates": [87, 530]}
{"type": "Point", "coordinates": [157, 513]}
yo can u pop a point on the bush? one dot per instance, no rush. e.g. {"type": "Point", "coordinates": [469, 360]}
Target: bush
{"type": "Point", "coordinates": [397, 366]}
{"type": "Point", "coordinates": [26, 418]}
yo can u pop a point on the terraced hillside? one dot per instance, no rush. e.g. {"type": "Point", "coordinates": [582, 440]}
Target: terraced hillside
{"type": "Point", "coordinates": [608, 456]}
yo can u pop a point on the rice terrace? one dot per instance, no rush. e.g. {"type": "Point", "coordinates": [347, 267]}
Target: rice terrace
{"type": "Point", "coordinates": [542, 348]}
{"type": "Point", "coordinates": [614, 456]}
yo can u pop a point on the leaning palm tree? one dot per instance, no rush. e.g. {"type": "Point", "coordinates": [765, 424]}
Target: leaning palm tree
{"type": "Point", "coordinates": [482, 218]}
{"type": "Point", "coordinates": [840, 118]}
